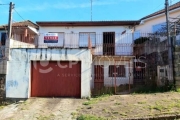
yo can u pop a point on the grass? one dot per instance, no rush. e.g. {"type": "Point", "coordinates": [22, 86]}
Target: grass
{"type": "Point", "coordinates": [142, 102]}
{"type": "Point", "coordinates": [105, 110]}
{"type": "Point", "coordinates": [90, 117]}
{"type": "Point", "coordinates": [155, 89]}
{"type": "Point", "coordinates": [74, 115]}
{"type": "Point", "coordinates": [115, 112]}
{"type": "Point", "coordinates": [96, 99]}
{"type": "Point", "coordinates": [123, 114]}
{"type": "Point", "coordinates": [117, 103]}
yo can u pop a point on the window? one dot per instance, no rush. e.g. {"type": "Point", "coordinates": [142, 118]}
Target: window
{"type": "Point", "coordinates": [85, 36]}
{"type": "Point", "coordinates": [108, 43]}
{"type": "Point", "coordinates": [119, 70]}
{"type": "Point", "coordinates": [136, 35]}
{"type": "Point", "coordinates": [3, 38]}
{"type": "Point", "coordinates": [159, 27]}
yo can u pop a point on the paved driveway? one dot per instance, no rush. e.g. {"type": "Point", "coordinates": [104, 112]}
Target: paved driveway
{"type": "Point", "coordinates": [41, 109]}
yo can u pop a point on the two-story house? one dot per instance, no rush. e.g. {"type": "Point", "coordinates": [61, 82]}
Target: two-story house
{"type": "Point", "coordinates": [155, 50]}
{"type": "Point", "coordinates": [24, 34]}
{"type": "Point", "coordinates": [72, 58]}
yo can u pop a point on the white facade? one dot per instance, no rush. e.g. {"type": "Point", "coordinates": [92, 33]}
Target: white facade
{"type": "Point", "coordinates": [146, 25]}
{"type": "Point", "coordinates": [70, 37]}
{"type": "Point", "coordinates": [18, 80]}
{"type": "Point", "coordinates": [110, 81]}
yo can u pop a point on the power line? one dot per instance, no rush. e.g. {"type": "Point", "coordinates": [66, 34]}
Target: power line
{"type": "Point", "coordinates": [4, 4]}
{"type": "Point", "coordinates": [19, 14]}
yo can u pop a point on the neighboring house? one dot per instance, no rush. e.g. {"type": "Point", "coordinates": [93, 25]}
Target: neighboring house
{"type": "Point", "coordinates": [21, 31]}
{"type": "Point", "coordinates": [71, 58]}
{"type": "Point", "coordinates": [155, 49]}
{"type": "Point", "coordinates": [155, 22]}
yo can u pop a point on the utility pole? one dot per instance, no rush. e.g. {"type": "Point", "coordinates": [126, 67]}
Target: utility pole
{"type": "Point", "coordinates": [11, 6]}
{"type": "Point", "coordinates": [170, 60]}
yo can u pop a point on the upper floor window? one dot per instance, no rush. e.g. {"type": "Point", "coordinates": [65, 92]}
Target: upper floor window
{"type": "Point", "coordinates": [158, 28]}
{"type": "Point", "coordinates": [85, 36]}
{"type": "Point", "coordinates": [136, 35]}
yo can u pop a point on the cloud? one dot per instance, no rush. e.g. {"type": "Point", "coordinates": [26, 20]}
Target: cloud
{"type": "Point", "coordinates": [69, 5]}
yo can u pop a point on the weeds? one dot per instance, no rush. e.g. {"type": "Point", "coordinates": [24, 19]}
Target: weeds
{"type": "Point", "coordinates": [142, 102]}
{"type": "Point", "coordinates": [90, 117]}
{"type": "Point", "coordinates": [117, 103]}
{"type": "Point", "coordinates": [96, 99]}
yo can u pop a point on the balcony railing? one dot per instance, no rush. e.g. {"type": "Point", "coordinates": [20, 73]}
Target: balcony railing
{"type": "Point", "coordinates": [101, 44]}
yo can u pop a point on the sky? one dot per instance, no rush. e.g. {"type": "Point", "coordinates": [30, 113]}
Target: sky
{"type": "Point", "coordinates": [79, 10]}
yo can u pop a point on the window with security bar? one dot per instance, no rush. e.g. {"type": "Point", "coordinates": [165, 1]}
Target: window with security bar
{"type": "Point", "coordinates": [119, 70]}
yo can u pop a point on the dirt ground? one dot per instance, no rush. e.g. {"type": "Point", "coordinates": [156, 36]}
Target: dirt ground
{"type": "Point", "coordinates": [115, 107]}
{"type": "Point", "coordinates": [133, 106]}
{"type": "Point", "coordinates": [41, 109]}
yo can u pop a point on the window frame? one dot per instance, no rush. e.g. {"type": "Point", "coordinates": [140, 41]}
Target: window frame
{"type": "Point", "coordinates": [118, 69]}
{"type": "Point", "coordinates": [87, 40]}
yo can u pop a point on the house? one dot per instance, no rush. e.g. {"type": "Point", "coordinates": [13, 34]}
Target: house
{"type": "Point", "coordinates": [155, 50]}
{"type": "Point", "coordinates": [22, 32]}
{"type": "Point", "coordinates": [19, 30]}
{"type": "Point", "coordinates": [71, 58]}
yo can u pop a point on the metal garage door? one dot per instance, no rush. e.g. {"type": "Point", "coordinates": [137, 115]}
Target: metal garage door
{"type": "Point", "coordinates": [55, 79]}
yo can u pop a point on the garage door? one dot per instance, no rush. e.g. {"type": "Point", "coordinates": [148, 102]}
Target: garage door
{"type": "Point", "coordinates": [55, 79]}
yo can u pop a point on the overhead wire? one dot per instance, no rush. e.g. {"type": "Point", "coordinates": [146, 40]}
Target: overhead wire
{"type": "Point", "coordinates": [4, 4]}
{"type": "Point", "coordinates": [19, 14]}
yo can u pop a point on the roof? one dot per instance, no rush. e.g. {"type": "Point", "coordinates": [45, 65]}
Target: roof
{"type": "Point", "coordinates": [87, 23]}
{"type": "Point", "coordinates": [172, 7]}
{"type": "Point", "coordinates": [21, 24]}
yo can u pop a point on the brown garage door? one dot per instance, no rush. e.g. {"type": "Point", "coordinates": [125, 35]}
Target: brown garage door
{"type": "Point", "coordinates": [50, 80]}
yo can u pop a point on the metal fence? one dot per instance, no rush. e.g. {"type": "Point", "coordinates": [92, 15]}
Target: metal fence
{"type": "Point", "coordinates": [148, 65]}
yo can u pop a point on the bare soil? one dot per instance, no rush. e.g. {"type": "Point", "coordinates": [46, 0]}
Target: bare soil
{"type": "Point", "coordinates": [115, 107]}
{"type": "Point", "coordinates": [134, 106]}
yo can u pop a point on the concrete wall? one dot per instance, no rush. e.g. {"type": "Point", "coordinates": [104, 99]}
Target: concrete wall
{"type": "Point", "coordinates": [19, 44]}
{"type": "Point", "coordinates": [147, 25]}
{"type": "Point", "coordinates": [71, 37]}
{"type": "Point", "coordinates": [18, 68]}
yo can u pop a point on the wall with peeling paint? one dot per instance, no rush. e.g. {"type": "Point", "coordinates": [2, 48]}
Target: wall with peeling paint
{"type": "Point", "coordinates": [18, 79]}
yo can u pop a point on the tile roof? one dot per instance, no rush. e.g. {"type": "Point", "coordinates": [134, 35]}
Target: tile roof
{"type": "Point", "coordinates": [21, 24]}
{"type": "Point", "coordinates": [172, 7]}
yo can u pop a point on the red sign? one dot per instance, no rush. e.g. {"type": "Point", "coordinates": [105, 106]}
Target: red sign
{"type": "Point", "coordinates": [51, 38]}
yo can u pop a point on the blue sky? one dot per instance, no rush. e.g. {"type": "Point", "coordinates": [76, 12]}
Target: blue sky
{"type": "Point", "coordinates": [80, 10]}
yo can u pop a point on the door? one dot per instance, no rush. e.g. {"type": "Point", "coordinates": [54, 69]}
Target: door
{"type": "Point", "coordinates": [55, 79]}
{"type": "Point", "coordinates": [98, 76]}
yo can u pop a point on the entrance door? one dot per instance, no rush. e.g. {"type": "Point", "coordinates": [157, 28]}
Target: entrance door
{"type": "Point", "coordinates": [98, 76]}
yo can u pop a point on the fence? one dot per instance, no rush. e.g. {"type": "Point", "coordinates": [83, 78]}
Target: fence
{"type": "Point", "coordinates": [148, 65]}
